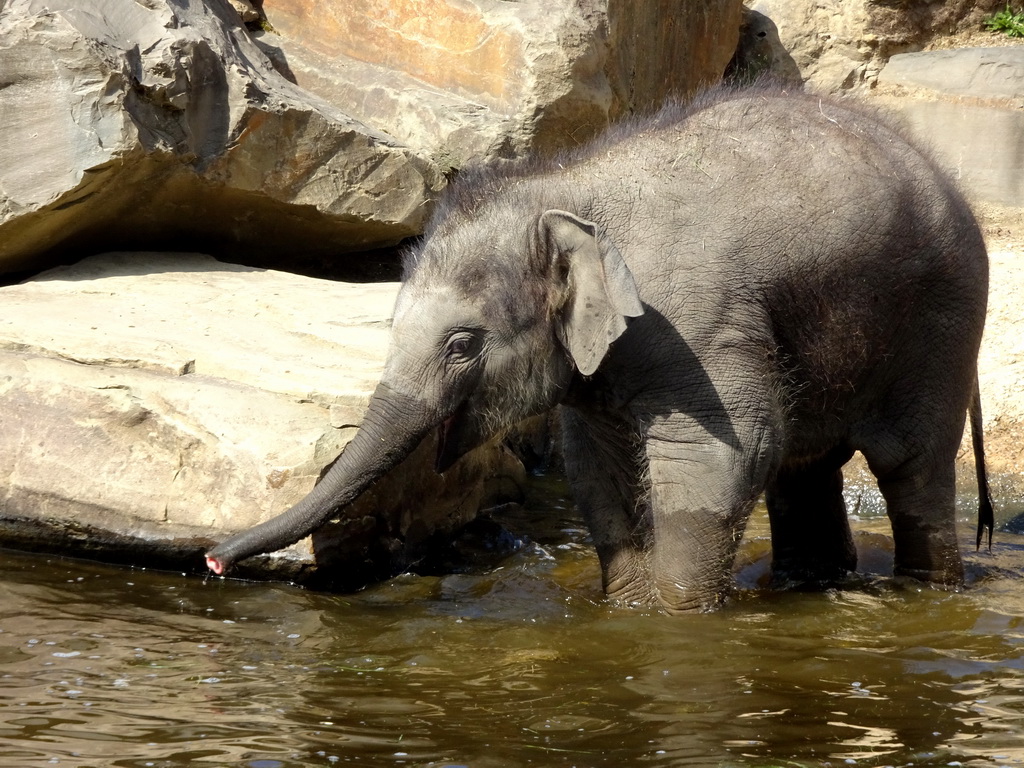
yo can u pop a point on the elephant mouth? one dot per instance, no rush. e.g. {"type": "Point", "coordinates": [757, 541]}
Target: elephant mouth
{"type": "Point", "coordinates": [449, 432]}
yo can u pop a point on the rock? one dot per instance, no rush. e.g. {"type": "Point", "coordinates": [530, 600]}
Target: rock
{"type": "Point", "coordinates": [246, 10]}
{"type": "Point", "coordinates": [476, 80]}
{"type": "Point", "coordinates": [165, 122]}
{"type": "Point", "coordinates": [127, 124]}
{"type": "Point", "coordinates": [830, 42]}
{"type": "Point", "coordinates": [968, 106]}
{"type": "Point", "coordinates": [841, 45]}
{"type": "Point", "coordinates": [760, 52]}
{"type": "Point", "coordinates": [979, 73]}
{"type": "Point", "coordinates": [154, 403]}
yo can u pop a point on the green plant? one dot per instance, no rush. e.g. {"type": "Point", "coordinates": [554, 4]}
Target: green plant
{"type": "Point", "coordinates": [1007, 22]}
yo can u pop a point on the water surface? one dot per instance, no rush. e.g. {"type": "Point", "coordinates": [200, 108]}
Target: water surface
{"type": "Point", "coordinates": [520, 663]}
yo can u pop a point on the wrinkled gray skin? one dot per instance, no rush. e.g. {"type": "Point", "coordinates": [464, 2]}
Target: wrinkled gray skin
{"type": "Point", "coordinates": [727, 300]}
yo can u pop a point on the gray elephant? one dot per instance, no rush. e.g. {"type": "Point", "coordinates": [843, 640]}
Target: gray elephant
{"type": "Point", "coordinates": [727, 299]}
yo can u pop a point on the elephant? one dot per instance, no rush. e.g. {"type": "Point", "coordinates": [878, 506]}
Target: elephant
{"type": "Point", "coordinates": [726, 299]}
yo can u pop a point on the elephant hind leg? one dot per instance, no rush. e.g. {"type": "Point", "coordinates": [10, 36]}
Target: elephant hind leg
{"type": "Point", "coordinates": [811, 539]}
{"type": "Point", "coordinates": [920, 498]}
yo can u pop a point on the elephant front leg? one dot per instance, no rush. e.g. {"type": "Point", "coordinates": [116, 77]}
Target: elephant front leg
{"type": "Point", "coordinates": [701, 497]}
{"type": "Point", "coordinates": [603, 470]}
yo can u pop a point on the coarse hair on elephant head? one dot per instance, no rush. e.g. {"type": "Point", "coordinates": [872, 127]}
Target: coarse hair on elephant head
{"type": "Point", "coordinates": [482, 338]}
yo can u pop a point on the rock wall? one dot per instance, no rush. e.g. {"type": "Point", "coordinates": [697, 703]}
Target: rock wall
{"type": "Point", "coordinates": [842, 45]}
{"type": "Point", "coordinates": [478, 80]}
{"type": "Point", "coordinates": [499, 79]}
{"type": "Point", "coordinates": [172, 124]}
{"type": "Point", "coordinates": [163, 124]}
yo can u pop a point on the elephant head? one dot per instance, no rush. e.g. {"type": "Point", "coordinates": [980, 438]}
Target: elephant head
{"type": "Point", "coordinates": [494, 317]}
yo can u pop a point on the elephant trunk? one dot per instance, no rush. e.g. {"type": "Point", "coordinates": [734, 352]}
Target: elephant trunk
{"type": "Point", "coordinates": [393, 426]}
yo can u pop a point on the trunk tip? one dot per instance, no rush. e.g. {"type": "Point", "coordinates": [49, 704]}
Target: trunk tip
{"type": "Point", "coordinates": [215, 565]}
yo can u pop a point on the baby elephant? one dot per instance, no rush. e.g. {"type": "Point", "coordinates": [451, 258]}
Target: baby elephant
{"type": "Point", "coordinates": [727, 299]}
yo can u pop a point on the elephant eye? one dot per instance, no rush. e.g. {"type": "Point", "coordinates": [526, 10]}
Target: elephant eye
{"type": "Point", "coordinates": [463, 345]}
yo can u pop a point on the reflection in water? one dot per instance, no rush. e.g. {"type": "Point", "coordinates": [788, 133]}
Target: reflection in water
{"type": "Point", "coordinates": [521, 663]}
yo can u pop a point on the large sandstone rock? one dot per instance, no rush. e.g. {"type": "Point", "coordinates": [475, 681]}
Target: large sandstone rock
{"type": "Point", "coordinates": [968, 106]}
{"type": "Point", "coordinates": [136, 124]}
{"type": "Point", "coordinates": [840, 45]}
{"type": "Point", "coordinates": [978, 73]}
{"type": "Point", "coordinates": [154, 403]}
{"type": "Point", "coordinates": [141, 125]}
{"type": "Point", "coordinates": [479, 79]}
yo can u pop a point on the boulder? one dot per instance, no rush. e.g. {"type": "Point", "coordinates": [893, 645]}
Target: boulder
{"type": "Point", "coordinates": [842, 45]}
{"type": "Point", "coordinates": [477, 79]}
{"type": "Point", "coordinates": [129, 124]}
{"type": "Point", "coordinates": [156, 402]}
{"type": "Point", "coordinates": [125, 124]}
{"type": "Point", "coordinates": [967, 105]}
{"type": "Point", "coordinates": [978, 73]}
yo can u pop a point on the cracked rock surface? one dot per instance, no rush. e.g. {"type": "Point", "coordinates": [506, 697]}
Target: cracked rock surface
{"type": "Point", "coordinates": [130, 124]}
{"type": "Point", "coordinates": [170, 124]}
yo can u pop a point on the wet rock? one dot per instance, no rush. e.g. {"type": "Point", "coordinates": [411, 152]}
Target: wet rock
{"type": "Point", "coordinates": [164, 123]}
{"type": "Point", "coordinates": [154, 403]}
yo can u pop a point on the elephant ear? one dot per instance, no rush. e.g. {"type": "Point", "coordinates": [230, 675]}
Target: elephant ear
{"type": "Point", "coordinates": [597, 287]}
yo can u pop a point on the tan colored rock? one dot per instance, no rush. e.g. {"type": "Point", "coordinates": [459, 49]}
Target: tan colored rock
{"type": "Point", "coordinates": [154, 403]}
{"type": "Point", "coordinates": [967, 107]}
{"type": "Point", "coordinates": [246, 10]}
{"type": "Point", "coordinates": [478, 79]}
{"type": "Point", "coordinates": [842, 45]}
{"type": "Point", "coordinates": [181, 313]}
{"type": "Point", "coordinates": [125, 123]}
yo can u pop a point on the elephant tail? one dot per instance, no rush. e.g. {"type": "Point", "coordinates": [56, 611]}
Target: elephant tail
{"type": "Point", "coordinates": [986, 515]}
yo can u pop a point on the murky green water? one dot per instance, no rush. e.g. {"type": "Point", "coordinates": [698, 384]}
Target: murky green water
{"type": "Point", "coordinates": [513, 665]}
